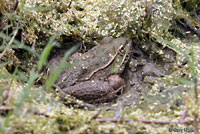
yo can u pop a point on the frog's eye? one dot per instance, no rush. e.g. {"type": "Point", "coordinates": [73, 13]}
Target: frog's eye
{"type": "Point", "coordinates": [122, 48]}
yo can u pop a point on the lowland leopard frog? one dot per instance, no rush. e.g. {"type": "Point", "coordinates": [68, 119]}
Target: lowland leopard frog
{"type": "Point", "coordinates": [94, 76]}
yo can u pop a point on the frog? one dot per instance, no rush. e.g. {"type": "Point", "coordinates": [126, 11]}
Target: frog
{"type": "Point", "coordinates": [94, 76]}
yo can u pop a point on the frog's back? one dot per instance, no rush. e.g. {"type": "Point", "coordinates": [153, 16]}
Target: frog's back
{"type": "Point", "coordinates": [82, 66]}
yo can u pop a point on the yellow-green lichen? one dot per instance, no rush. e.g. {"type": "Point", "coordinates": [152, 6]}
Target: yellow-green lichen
{"type": "Point", "coordinates": [96, 18]}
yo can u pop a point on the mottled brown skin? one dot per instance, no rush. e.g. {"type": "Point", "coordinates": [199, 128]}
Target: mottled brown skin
{"type": "Point", "coordinates": [74, 80]}
{"type": "Point", "coordinates": [97, 91]}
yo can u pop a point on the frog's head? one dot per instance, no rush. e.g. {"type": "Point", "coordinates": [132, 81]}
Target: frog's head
{"type": "Point", "coordinates": [122, 47]}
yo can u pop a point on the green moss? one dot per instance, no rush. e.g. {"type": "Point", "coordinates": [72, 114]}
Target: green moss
{"type": "Point", "coordinates": [94, 19]}
{"type": "Point", "coordinates": [43, 112]}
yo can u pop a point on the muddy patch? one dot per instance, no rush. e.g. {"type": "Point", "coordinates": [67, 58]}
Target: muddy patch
{"type": "Point", "coordinates": [142, 73]}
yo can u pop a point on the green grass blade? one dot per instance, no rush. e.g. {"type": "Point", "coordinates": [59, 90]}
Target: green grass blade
{"type": "Point", "coordinates": [5, 63]}
{"type": "Point", "coordinates": [21, 3]}
{"type": "Point", "coordinates": [27, 90]}
{"type": "Point", "coordinates": [7, 26]}
{"type": "Point", "coordinates": [182, 81]}
{"type": "Point", "coordinates": [192, 63]}
{"type": "Point", "coordinates": [21, 76]}
{"type": "Point", "coordinates": [8, 38]}
{"type": "Point", "coordinates": [17, 45]}
{"type": "Point", "coordinates": [45, 53]}
{"type": "Point", "coordinates": [191, 59]}
{"type": "Point", "coordinates": [171, 45]}
{"type": "Point", "coordinates": [54, 75]}
{"type": "Point", "coordinates": [7, 76]}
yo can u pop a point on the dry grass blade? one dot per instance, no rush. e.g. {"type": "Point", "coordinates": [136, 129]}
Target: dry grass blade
{"type": "Point", "coordinates": [5, 108]}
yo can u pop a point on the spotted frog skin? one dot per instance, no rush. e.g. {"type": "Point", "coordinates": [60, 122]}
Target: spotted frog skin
{"type": "Point", "coordinates": [94, 76]}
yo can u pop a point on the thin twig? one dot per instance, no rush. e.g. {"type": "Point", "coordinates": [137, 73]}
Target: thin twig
{"type": "Point", "coordinates": [96, 115]}
{"type": "Point", "coordinates": [144, 121]}
{"type": "Point", "coordinates": [5, 108]}
{"type": "Point", "coordinates": [16, 4]}
{"type": "Point", "coordinates": [195, 125]}
{"type": "Point", "coordinates": [70, 4]}
{"type": "Point", "coordinates": [129, 120]}
{"type": "Point", "coordinates": [118, 114]}
{"type": "Point", "coordinates": [196, 90]}
{"type": "Point", "coordinates": [41, 114]}
{"type": "Point", "coordinates": [11, 41]}
{"type": "Point", "coordinates": [197, 103]}
{"type": "Point", "coordinates": [183, 116]}
{"type": "Point", "coordinates": [192, 28]}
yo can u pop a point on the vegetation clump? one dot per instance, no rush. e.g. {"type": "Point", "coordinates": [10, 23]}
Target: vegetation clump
{"type": "Point", "coordinates": [28, 106]}
{"type": "Point", "coordinates": [95, 19]}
